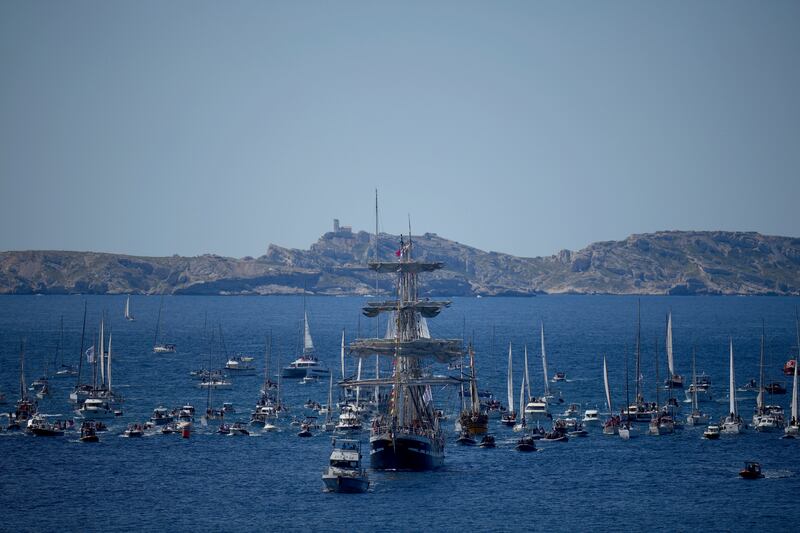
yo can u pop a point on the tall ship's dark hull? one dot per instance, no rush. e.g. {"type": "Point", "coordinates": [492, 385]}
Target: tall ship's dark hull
{"type": "Point", "coordinates": [405, 452]}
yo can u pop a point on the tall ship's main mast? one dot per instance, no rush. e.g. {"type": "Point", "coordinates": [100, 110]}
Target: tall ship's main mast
{"type": "Point", "coordinates": [407, 436]}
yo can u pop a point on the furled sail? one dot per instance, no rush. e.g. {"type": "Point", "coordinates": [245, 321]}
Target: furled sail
{"type": "Point", "coordinates": [670, 363]}
{"type": "Point", "coordinates": [732, 386]}
{"type": "Point", "coordinates": [608, 389]}
{"type": "Point", "coordinates": [510, 382]}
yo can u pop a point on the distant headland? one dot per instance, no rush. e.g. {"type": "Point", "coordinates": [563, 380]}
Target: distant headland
{"type": "Point", "coordinates": [665, 262]}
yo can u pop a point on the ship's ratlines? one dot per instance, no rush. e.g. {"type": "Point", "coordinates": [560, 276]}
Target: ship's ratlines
{"type": "Point", "coordinates": [406, 435]}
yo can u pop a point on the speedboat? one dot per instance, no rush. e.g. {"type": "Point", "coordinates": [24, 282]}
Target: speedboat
{"type": "Point", "coordinates": [161, 416]}
{"type": "Point", "coordinates": [240, 365]}
{"type": "Point", "coordinates": [238, 428]}
{"type": "Point", "coordinates": [305, 430]}
{"type": "Point", "coordinates": [509, 418]}
{"type": "Point", "coordinates": [526, 444]}
{"type": "Point", "coordinates": [712, 432]}
{"type": "Point", "coordinates": [751, 470]}
{"type": "Point", "coordinates": [591, 417]}
{"type": "Point", "coordinates": [215, 383]}
{"type": "Point", "coordinates": [89, 432]}
{"type": "Point", "coordinates": [624, 431]}
{"type": "Point", "coordinates": [559, 376]}
{"type": "Point", "coordinates": [134, 430]}
{"type": "Point", "coordinates": [164, 348]}
{"type": "Point", "coordinates": [775, 387]}
{"type": "Point", "coordinates": [465, 439]}
{"type": "Point", "coordinates": [487, 442]}
{"type": "Point", "coordinates": [344, 472]}
{"type": "Point", "coordinates": [574, 409]}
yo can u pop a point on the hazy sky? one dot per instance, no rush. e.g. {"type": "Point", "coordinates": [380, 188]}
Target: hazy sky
{"type": "Point", "coordinates": [525, 127]}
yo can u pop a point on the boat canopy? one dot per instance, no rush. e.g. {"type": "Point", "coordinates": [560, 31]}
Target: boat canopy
{"type": "Point", "coordinates": [443, 350]}
{"type": "Point", "coordinates": [411, 267]}
{"type": "Point", "coordinates": [428, 309]}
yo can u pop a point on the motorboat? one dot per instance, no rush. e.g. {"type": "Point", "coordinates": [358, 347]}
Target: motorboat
{"type": "Point", "coordinates": [240, 365]}
{"type": "Point", "coordinates": [536, 410]}
{"type": "Point", "coordinates": [559, 376]}
{"type": "Point", "coordinates": [696, 418]}
{"type": "Point", "coordinates": [39, 426]}
{"type": "Point", "coordinates": [574, 409]}
{"type": "Point", "coordinates": [624, 431]}
{"type": "Point", "coordinates": [591, 417]}
{"type": "Point", "coordinates": [344, 472]}
{"type": "Point", "coordinates": [751, 470]}
{"type": "Point", "coordinates": [509, 418]}
{"type": "Point", "coordinates": [775, 387]}
{"type": "Point", "coordinates": [305, 430]}
{"type": "Point", "coordinates": [348, 421]}
{"type": "Point", "coordinates": [465, 439]}
{"type": "Point", "coordinates": [702, 387]}
{"type": "Point", "coordinates": [712, 432]}
{"type": "Point", "coordinates": [215, 383]}
{"type": "Point", "coordinates": [487, 442]}
{"type": "Point", "coordinates": [611, 426]}
{"type": "Point", "coordinates": [133, 431]}
{"type": "Point", "coordinates": [96, 408]}
{"type": "Point", "coordinates": [228, 409]}
{"type": "Point", "coordinates": [239, 429]}
{"type": "Point", "coordinates": [164, 348]}
{"type": "Point", "coordinates": [89, 432]}
{"type": "Point", "coordinates": [526, 444]}
{"type": "Point", "coordinates": [161, 416]}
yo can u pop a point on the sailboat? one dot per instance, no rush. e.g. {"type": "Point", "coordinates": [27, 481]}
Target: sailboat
{"type": "Point", "coordinates": [128, 315]}
{"type": "Point", "coordinates": [674, 380]}
{"type": "Point", "coordinates": [639, 410]}
{"type": "Point", "coordinates": [473, 420]}
{"type": "Point", "coordinates": [329, 425]}
{"type": "Point", "coordinates": [158, 345]}
{"type": "Point", "coordinates": [510, 416]}
{"type": "Point", "coordinates": [732, 423]}
{"type": "Point", "coordinates": [526, 441]}
{"type": "Point", "coordinates": [62, 369]}
{"type": "Point", "coordinates": [25, 408]}
{"type": "Point", "coordinates": [696, 417]}
{"type": "Point", "coordinates": [307, 364]}
{"type": "Point", "coordinates": [536, 408]}
{"type": "Point", "coordinates": [548, 396]}
{"type": "Point", "coordinates": [766, 418]}
{"type": "Point", "coordinates": [409, 436]}
{"type": "Point", "coordinates": [610, 426]}
{"type": "Point", "coordinates": [793, 428]}
{"type": "Point", "coordinates": [626, 427]}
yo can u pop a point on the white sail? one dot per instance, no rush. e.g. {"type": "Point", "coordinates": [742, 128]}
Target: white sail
{"type": "Point", "coordinates": [527, 380]}
{"type": "Point", "coordinates": [608, 390]}
{"type": "Point", "coordinates": [669, 346]}
{"type": "Point", "coordinates": [694, 383]}
{"type": "Point", "coordinates": [108, 373]}
{"type": "Point", "coordinates": [341, 355]}
{"type": "Point", "coordinates": [102, 355]}
{"type": "Point", "coordinates": [128, 308]}
{"type": "Point", "coordinates": [522, 400]}
{"type": "Point", "coordinates": [732, 387]}
{"type": "Point", "coordinates": [308, 344]}
{"type": "Point", "coordinates": [794, 393]}
{"type": "Point", "coordinates": [544, 365]}
{"type": "Point", "coordinates": [510, 382]}
{"type": "Point", "coordinates": [358, 378]}
{"type": "Point", "coordinates": [330, 398]}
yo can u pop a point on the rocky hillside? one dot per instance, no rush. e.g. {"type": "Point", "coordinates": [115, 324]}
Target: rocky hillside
{"type": "Point", "coordinates": [672, 262]}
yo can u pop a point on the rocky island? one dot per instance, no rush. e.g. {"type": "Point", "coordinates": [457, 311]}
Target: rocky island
{"type": "Point", "coordinates": [666, 262]}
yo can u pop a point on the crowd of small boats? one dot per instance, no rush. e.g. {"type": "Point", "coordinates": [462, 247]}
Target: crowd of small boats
{"type": "Point", "coordinates": [406, 430]}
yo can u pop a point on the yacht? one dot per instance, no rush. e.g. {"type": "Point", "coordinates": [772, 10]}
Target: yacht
{"type": "Point", "coordinates": [536, 410]}
{"type": "Point", "coordinates": [89, 432]}
{"type": "Point", "coordinates": [344, 472]}
{"type": "Point", "coordinates": [348, 421]}
{"type": "Point", "coordinates": [732, 423]}
{"type": "Point", "coordinates": [96, 408]}
{"type": "Point", "coordinates": [238, 428]}
{"type": "Point", "coordinates": [591, 417]}
{"type": "Point", "coordinates": [40, 427]}
{"type": "Point", "coordinates": [241, 365]}
{"type": "Point", "coordinates": [702, 387]}
{"type": "Point", "coordinates": [307, 364]}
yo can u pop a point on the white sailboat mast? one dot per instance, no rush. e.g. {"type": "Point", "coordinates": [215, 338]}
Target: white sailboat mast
{"type": "Point", "coordinates": [102, 355]}
{"type": "Point", "coordinates": [544, 364]}
{"type": "Point", "coordinates": [796, 364]}
{"type": "Point", "coordinates": [670, 362]}
{"type": "Point", "coordinates": [527, 380]}
{"type": "Point", "coordinates": [109, 361]}
{"type": "Point", "coordinates": [358, 378]}
{"type": "Point", "coordinates": [510, 382]}
{"type": "Point", "coordinates": [732, 385]}
{"type": "Point", "coordinates": [522, 400]}
{"type": "Point", "coordinates": [694, 381]}
{"type": "Point", "coordinates": [608, 390]}
{"type": "Point", "coordinates": [341, 355]}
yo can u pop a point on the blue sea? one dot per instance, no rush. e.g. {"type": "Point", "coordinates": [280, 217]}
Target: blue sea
{"type": "Point", "coordinates": [272, 481]}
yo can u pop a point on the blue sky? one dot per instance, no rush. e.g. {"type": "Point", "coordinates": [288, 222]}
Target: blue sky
{"type": "Point", "coordinates": [155, 128]}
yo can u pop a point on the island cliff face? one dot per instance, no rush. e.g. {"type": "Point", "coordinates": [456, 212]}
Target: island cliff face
{"type": "Point", "coordinates": [669, 262]}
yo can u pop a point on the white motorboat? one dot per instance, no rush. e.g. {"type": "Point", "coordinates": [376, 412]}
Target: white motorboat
{"type": "Point", "coordinates": [348, 421]}
{"type": "Point", "coordinates": [161, 416]}
{"type": "Point", "coordinates": [96, 409]}
{"type": "Point", "coordinates": [240, 365]}
{"type": "Point", "coordinates": [712, 432]}
{"type": "Point", "coordinates": [536, 410]}
{"type": "Point", "coordinates": [591, 417]}
{"type": "Point", "coordinates": [344, 473]}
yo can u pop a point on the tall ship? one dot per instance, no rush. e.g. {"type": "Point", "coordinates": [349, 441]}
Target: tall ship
{"type": "Point", "coordinates": [406, 434]}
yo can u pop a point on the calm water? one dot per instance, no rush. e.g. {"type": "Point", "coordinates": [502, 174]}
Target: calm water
{"type": "Point", "coordinates": [272, 481]}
